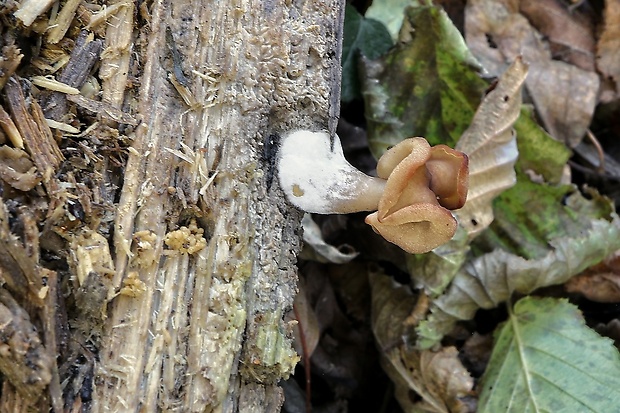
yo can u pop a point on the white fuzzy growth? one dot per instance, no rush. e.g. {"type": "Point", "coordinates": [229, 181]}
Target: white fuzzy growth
{"type": "Point", "coordinates": [317, 178]}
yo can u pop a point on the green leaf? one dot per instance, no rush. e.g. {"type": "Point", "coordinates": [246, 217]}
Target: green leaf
{"type": "Point", "coordinates": [492, 278]}
{"type": "Point", "coordinates": [546, 360]}
{"type": "Point", "coordinates": [428, 85]}
{"type": "Point", "coordinates": [435, 270]}
{"type": "Point", "coordinates": [539, 152]}
{"type": "Point", "coordinates": [361, 36]}
{"type": "Point", "coordinates": [390, 13]}
{"type": "Point", "coordinates": [560, 211]}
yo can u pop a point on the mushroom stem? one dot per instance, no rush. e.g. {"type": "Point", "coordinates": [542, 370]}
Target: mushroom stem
{"type": "Point", "coordinates": [316, 177]}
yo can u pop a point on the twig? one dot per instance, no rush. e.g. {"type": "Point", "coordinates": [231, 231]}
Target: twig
{"type": "Point", "coordinates": [306, 359]}
{"type": "Point", "coordinates": [599, 149]}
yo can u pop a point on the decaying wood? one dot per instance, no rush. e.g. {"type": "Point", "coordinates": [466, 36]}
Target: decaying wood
{"type": "Point", "coordinates": [27, 357]}
{"type": "Point", "coordinates": [83, 58]}
{"type": "Point", "coordinates": [24, 361]}
{"type": "Point", "coordinates": [35, 133]}
{"type": "Point", "coordinates": [172, 298]}
{"type": "Point", "coordinates": [29, 10]}
{"type": "Point", "coordinates": [208, 332]}
{"type": "Point", "coordinates": [17, 169]}
{"type": "Point", "coordinates": [11, 131]}
{"type": "Point", "coordinates": [115, 56]}
{"type": "Point", "coordinates": [19, 272]}
{"type": "Point", "coordinates": [61, 24]}
{"type": "Point", "coordinates": [103, 110]}
{"type": "Point", "coordinates": [9, 59]}
{"type": "Point", "coordinates": [8, 6]}
{"type": "Point", "coordinates": [49, 318]}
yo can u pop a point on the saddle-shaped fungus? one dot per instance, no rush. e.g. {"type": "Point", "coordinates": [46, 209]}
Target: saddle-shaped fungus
{"type": "Point", "coordinates": [416, 186]}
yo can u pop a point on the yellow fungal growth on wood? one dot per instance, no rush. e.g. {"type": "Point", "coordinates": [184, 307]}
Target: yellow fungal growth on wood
{"type": "Point", "coordinates": [133, 286]}
{"type": "Point", "coordinates": [91, 255]}
{"type": "Point", "coordinates": [144, 246]}
{"type": "Point", "coordinates": [186, 240]}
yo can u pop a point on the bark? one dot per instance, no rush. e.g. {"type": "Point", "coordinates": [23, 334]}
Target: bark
{"type": "Point", "coordinates": [204, 243]}
{"type": "Point", "coordinates": [148, 261]}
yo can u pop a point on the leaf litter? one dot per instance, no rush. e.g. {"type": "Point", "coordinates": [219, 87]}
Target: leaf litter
{"type": "Point", "coordinates": [564, 95]}
{"type": "Point", "coordinates": [543, 234]}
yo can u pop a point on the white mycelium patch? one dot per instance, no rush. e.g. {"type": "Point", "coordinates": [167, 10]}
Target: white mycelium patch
{"type": "Point", "coordinates": [317, 178]}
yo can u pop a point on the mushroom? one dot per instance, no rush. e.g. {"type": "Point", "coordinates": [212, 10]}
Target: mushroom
{"type": "Point", "coordinates": [422, 183]}
{"type": "Point", "coordinates": [415, 187]}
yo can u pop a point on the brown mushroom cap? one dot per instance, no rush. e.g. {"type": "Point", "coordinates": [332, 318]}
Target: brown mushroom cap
{"type": "Point", "coordinates": [449, 169]}
{"type": "Point", "coordinates": [407, 181]}
{"type": "Point", "coordinates": [417, 228]}
{"type": "Point", "coordinates": [421, 183]}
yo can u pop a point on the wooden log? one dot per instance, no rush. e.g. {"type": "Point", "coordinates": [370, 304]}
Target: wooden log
{"type": "Point", "coordinates": [202, 225]}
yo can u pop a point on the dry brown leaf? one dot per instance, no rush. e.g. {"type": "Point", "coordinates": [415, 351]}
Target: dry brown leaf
{"type": "Point", "coordinates": [344, 354]}
{"type": "Point", "coordinates": [602, 287]}
{"type": "Point", "coordinates": [352, 289]}
{"type": "Point", "coordinates": [569, 33]}
{"type": "Point", "coordinates": [316, 249]}
{"type": "Point", "coordinates": [611, 330]}
{"type": "Point", "coordinates": [608, 46]}
{"type": "Point", "coordinates": [490, 143]}
{"type": "Point", "coordinates": [565, 95]}
{"type": "Point", "coordinates": [438, 377]}
{"type": "Point", "coordinates": [306, 331]}
{"type": "Point", "coordinates": [600, 283]}
{"type": "Point", "coordinates": [476, 352]}
{"type": "Point", "coordinates": [17, 169]}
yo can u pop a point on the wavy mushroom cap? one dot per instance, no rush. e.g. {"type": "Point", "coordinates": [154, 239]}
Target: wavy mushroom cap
{"type": "Point", "coordinates": [421, 183]}
{"type": "Point", "coordinates": [449, 171]}
{"type": "Point", "coordinates": [417, 228]}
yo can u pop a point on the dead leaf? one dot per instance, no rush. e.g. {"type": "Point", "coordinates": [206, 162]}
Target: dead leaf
{"type": "Point", "coordinates": [352, 289]}
{"type": "Point", "coordinates": [611, 330]}
{"type": "Point", "coordinates": [318, 250]}
{"type": "Point", "coordinates": [600, 283]}
{"type": "Point", "coordinates": [438, 377]}
{"type": "Point", "coordinates": [608, 46]}
{"type": "Point", "coordinates": [492, 278]}
{"type": "Point", "coordinates": [490, 143]}
{"type": "Point", "coordinates": [569, 33]}
{"type": "Point", "coordinates": [344, 352]}
{"type": "Point", "coordinates": [476, 352]}
{"type": "Point", "coordinates": [306, 332]}
{"type": "Point", "coordinates": [564, 95]}
{"type": "Point", "coordinates": [17, 169]}
{"type": "Point", "coordinates": [434, 271]}
{"type": "Point", "coordinates": [602, 287]}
